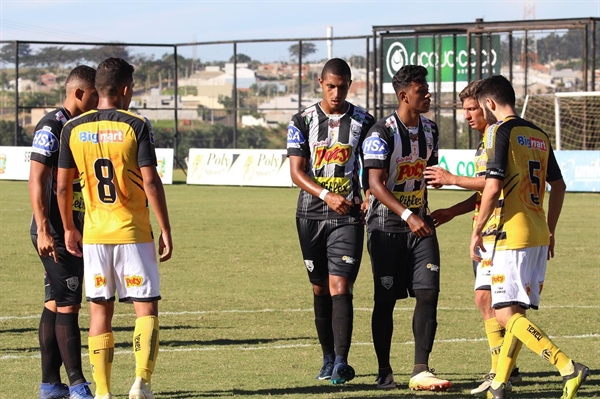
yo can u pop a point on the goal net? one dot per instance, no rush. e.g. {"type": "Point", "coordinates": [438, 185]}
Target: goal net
{"type": "Point", "coordinates": [571, 120]}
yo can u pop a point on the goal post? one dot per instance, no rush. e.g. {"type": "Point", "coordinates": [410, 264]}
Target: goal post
{"type": "Point", "coordinates": [571, 119]}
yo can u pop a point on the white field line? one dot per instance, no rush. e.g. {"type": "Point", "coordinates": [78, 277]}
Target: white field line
{"type": "Point", "coordinates": [289, 346]}
{"type": "Point", "coordinates": [240, 311]}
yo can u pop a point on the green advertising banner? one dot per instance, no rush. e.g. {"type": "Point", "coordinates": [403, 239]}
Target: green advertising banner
{"type": "Point", "coordinates": [433, 55]}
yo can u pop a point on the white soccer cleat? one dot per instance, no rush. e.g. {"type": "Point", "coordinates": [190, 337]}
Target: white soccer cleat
{"type": "Point", "coordinates": [140, 390]}
{"type": "Point", "coordinates": [427, 381]}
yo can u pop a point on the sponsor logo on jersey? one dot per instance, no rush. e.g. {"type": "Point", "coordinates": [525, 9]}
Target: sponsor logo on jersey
{"type": "Point", "coordinates": [102, 136]}
{"type": "Point", "coordinates": [375, 148]}
{"type": "Point", "coordinates": [73, 283]}
{"type": "Point", "coordinates": [410, 199]}
{"type": "Point", "coordinates": [337, 185]}
{"type": "Point", "coordinates": [486, 263]}
{"type": "Point", "coordinates": [497, 279]}
{"type": "Point", "coordinates": [310, 266]}
{"type": "Point", "coordinates": [99, 281]}
{"type": "Point", "coordinates": [78, 203]}
{"type": "Point", "coordinates": [489, 137]}
{"type": "Point", "coordinates": [133, 281]}
{"type": "Point", "coordinates": [536, 334]}
{"type": "Point", "coordinates": [532, 142]}
{"type": "Point", "coordinates": [410, 171]}
{"type": "Point", "coordinates": [45, 142]}
{"type": "Point", "coordinates": [61, 117]}
{"type": "Point", "coordinates": [339, 154]}
{"type": "Point", "coordinates": [387, 282]}
{"type": "Point", "coordinates": [348, 259]}
{"type": "Point", "coordinates": [433, 268]}
{"type": "Point", "coordinates": [294, 137]}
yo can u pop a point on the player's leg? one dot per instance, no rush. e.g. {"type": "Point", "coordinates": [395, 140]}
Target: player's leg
{"type": "Point", "coordinates": [313, 245]}
{"type": "Point", "coordinates": [344, 253]}
{"type": "Point", "coordinates": [387, 253]}
{"type": "Point", "coordinates": [425, 260]}
{"type": "Point", "coordinates": [100, 292]}
{"type": "Point", "coordinates": [140, 284]}
{"type": "Point", "coordinates": [525, 270]}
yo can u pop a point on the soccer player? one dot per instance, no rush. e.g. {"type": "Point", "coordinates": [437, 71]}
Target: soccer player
{"type": "Point", "coordinates": [112, 150]}
{"type": "Point", "coordinates": [439, 177]}
{"type": "Point", "coordinates": [323, 146]}
{"type": "Point", "coordinates": [520, 163]}
{"type": "Point", "coordinates": [402, 243]}
{"type": "Point", "coordinates": [59, 334]}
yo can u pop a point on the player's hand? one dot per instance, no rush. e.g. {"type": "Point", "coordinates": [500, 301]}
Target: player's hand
{"type": "Point", "coordinates": [364, 208]}
{"type": "Point", "coordinates": [73, 242]}
{"type": "Point", "coordinates": [338, 203]}
{"type": "Point", "coordinates": [46, 245]}
{"type": "Point", "coordinates": [438, 177]}
{"type": "Point", "coordinates": [476, 246]}
{"type": "Point", "coordinates": [418, 226]}
{"type": "Point", "coordinates": [551, 247]}
{"type": "Point", "coordinates": [441, 216]}
{"type": "Point", "coordinates": [165, 246]}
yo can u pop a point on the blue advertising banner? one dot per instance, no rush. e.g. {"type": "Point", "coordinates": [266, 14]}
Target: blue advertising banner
{"type": "Point", "coordinates": [580, 169]}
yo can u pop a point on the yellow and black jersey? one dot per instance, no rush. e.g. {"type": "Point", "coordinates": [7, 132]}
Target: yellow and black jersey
{"type": "Point", "coordinates": [520, 154]}
{"type": "Point", "coordinates": [108, 147]}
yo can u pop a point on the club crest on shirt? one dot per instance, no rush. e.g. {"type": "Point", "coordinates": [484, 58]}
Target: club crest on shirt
{"type": "Point", "coordinates": [387, 282]}
{"type": "Point", "coordinates": [310, 266]}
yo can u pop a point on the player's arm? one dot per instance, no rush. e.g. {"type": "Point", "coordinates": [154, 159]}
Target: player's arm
{"type": "Point", "coordinates": [64, 198]}
{"type": "Point", "coordinates": [155, 192]}
{"type": "Point", "coordinates": [38, 175]}
{"type": "Point", "coordinates": [377, 177]}
{"type": "Point", "coordinates": [556, 199]}
{"type": "Point", "coordinates": [437, 176]}
{"type": "Point", "coordinates": [335, 201]}
{"type": "Point", "coordinates": [441, 216]}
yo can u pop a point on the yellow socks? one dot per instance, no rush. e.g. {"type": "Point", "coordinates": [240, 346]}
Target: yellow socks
{"type": "Point", "coordinates": [495, 335]}
{"type": "Point", "coordinates": [145, 346]}
{"type": "Point", "coordinates": [101, 352]}
{"type": "Point", "coordinates": [511, 346]}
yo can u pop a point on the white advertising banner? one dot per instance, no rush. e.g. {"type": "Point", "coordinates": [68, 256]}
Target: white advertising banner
{"type": "Point", "coordinates": [14, 163]}
{"type": "Point", "coordinates": [457, 162]}
{"type": "Point", "coordinates": [228, 167]}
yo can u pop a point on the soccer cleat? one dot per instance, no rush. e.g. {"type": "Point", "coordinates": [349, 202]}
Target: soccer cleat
{"type": "Point", "coordinates": [53, 391]}
{"type": "Point", "coordinates": [483, 387]}
{"type": "Point", "coordinates": [498, 393]}
{"type": "Point", "coordinates": [386, 381]}
{"type": "Point", "coordinates": [326, 370]}
{"type": "Point", "coordinates": [81, 391]}
{"type": "Point", "coordinates": [515, 377]}
{"type": "Point", "coordinates": [140, 390]}
{"type": "Point", "coordinates": [428, 381]}
{"type": "Point", "coordinates": [574, 381]}
{"type": "Point", "coordinates": [342, 373]}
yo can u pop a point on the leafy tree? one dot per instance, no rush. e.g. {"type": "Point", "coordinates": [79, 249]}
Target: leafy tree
{"type": "Point", "coordinates": [241, 58]}
{"type": "Point", "coordinates": [7, 53]}
{"type": "Point", "coordinates": [308, 48]}
{"type": "Point", "coordinates": [7, 134]}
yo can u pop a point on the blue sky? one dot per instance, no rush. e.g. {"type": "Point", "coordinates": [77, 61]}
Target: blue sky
{"type": "Point", "coordinates": [173, 21]}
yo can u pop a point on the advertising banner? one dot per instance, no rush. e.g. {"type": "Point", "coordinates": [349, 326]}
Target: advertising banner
{"type": "Point", "coordinates": [436, 54]}
{"type": "Point", "coordinates": [226, 167]}
{"type": "Point", "coordinates": [14, 163]}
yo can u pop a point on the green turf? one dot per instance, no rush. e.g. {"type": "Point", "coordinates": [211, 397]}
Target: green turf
{"type": "Point", "coordinates": [236, 310]}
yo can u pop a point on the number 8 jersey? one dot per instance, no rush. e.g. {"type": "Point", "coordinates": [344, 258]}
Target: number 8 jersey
{"type": "Point", "coordinates": [108, 147]}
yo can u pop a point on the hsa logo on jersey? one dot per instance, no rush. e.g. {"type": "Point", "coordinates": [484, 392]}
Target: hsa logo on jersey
{"type": "Point", "coordinates": [375, 148]}
{"type": "Point", "coordinates": [133, 281]}
{"type": "Point", "coordinates": [45, 142]}
{"type": "Point", "coordinates": [410, 171]}
{"type": "Point", "coordinates": [339, 154]}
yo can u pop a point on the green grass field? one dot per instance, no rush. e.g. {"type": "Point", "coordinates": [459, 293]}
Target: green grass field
{"type": "Point", "coordinates": [236, 315]}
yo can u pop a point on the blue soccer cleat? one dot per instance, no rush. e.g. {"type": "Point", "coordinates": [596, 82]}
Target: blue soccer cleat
{"type": "Point", "coordinates": [53, 391]}
{"type": "Point", "coordinates": [80, 391]}
{"type": "Point", "coordinates": [342, 373]}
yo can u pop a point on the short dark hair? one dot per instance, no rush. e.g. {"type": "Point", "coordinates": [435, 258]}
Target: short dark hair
{"type": "Point", "coordinates": [498, 88]}
{"type": "Point", "coordinates": [82, 73]}
{"type": "Point", "coordinates": [113, 73]}
{"type": "Point", "coordinates": [469, 91]}
{"type": "Point", "coordinates": [408, 74]}
{"type": "Point", "coordinates": [337, 67]}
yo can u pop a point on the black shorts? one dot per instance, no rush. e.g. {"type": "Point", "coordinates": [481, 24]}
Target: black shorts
{"type": "Point", "coordinates": [63, 280]}
{"type": "Point", "coordinates": [332, 246]}
{"type": "Point", "coordinates": [403, 262]}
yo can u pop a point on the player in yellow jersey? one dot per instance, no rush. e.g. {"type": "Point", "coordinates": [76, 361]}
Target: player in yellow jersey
{"type": "Point", "coordinates": [113, 152]}
{"type": "Point", "coordinates": [520, 163]}
{"type": "Point", "coordinates": [438, 177]}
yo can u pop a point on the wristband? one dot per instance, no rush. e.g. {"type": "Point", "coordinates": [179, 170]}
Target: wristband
{"type": "Point", "coordinates": [323, 194]}
{"type": "Point", "coordinates": [407, 212]}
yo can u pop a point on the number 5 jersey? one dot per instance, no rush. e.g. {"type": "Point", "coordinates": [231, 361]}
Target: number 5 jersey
{"type": "Point", "coordinates": [108, 147]}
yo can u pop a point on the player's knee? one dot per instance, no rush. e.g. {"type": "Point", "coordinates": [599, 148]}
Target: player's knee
{"type": "Point", "coordinates": [69, 308]}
